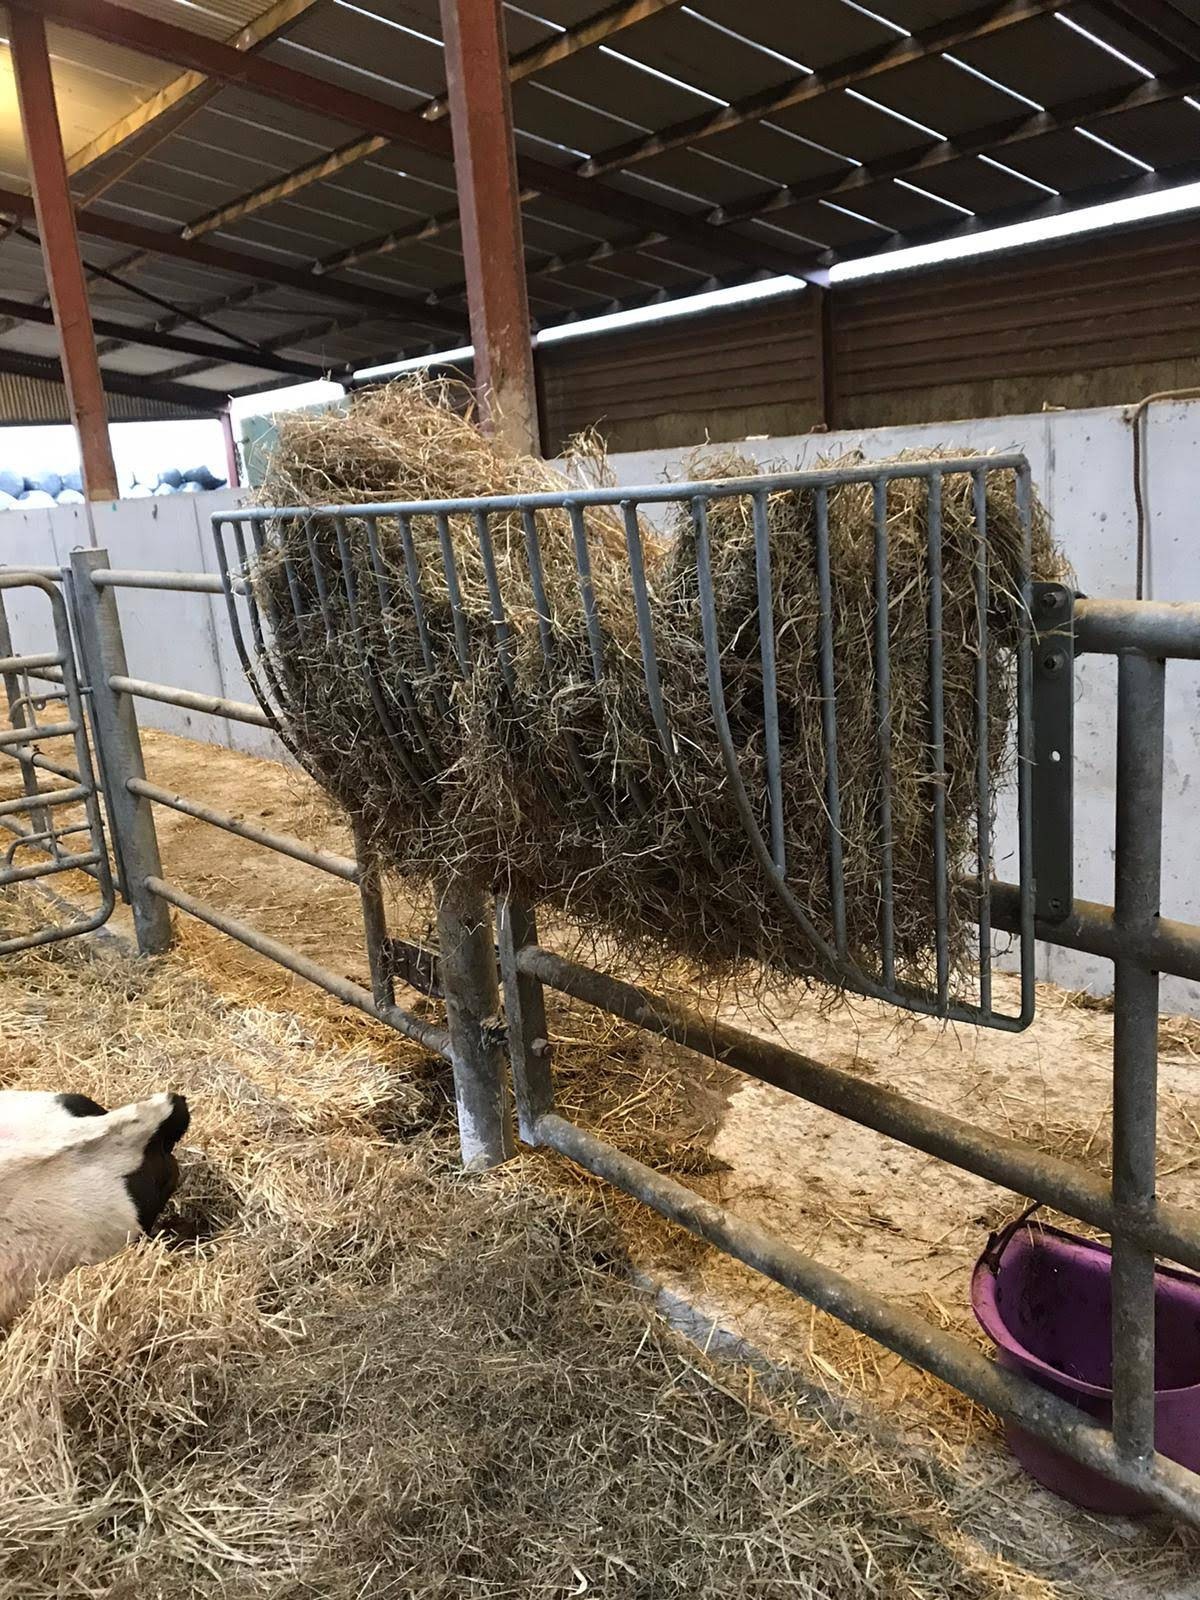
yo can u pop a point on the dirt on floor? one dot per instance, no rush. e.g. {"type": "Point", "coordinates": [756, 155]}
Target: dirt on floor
{"type": "Point", "coordinates": [907, 1225]}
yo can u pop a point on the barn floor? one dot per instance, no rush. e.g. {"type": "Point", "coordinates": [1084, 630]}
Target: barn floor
{"type": "Point", "coordinates": [875, 1480]}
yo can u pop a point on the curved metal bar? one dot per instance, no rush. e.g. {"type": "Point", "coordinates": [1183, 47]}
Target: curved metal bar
{"type": "Point", "coordinates": [243, 655]}
{"type": "Point", "coordinates": [499, 620]}
{"type": "Point", "coordinates": [766, 648]}
{"type": "Point", "coordinates": [937, 739]}
{"type": "Point", "coordinates": [587, 589]}
{"type": "Point", "coordinates": [833, 797]}
{"type": "Point", "coordinates": [883, 712]}
{"type": "Point", "coordinates": [983, 777]}
{"type": "Point", "coordinates": [374, 688]}
{"type": "Point", "coordinates": [645, 627]}
{"type": "Point", "coordinates": [462, 641]}
{"type": "Point", "coordinates": [404, 687]}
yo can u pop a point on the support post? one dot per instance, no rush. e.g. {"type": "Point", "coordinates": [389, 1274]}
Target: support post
{"type": "Point", "coordinates": [489, 209]}
{"type": "Point", "coordinates": [525, 1014]}
{"type": "Point", "coordinates": [489, 212]}
{"type": "Point", "coordinates": [1140, 734]}
{"type": "Point", "coordinates": [467, 963]}
{"type": "Point", "coordinates": [60, 251]}
{"type": "Point", "coordinates": [130, 816]}
{"type": "Point", "coordinates": [231, 455]}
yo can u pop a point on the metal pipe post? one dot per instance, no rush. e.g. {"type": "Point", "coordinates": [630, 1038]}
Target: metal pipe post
{"type": "Point", "coordinates": [1141, 682]}
{"type": "Point", "coordinates": [130, 816]}
{"type": "Point", "coordinates": [468, 973]}
{"type": "Point", "coordinates": [525, 1015]}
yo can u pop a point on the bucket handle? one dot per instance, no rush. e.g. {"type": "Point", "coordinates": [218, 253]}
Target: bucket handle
{"type": "Point", "coordinates": [999, 1242]}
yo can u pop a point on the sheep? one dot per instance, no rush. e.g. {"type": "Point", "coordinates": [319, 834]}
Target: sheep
{"type": "Point", "coordinates": [77, 1182]}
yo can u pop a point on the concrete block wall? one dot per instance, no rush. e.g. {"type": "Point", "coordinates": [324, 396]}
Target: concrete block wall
{"type": "Point", "coordinates": [1082, 468]}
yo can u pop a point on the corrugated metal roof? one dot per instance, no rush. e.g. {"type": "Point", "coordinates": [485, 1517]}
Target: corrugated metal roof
{"type": "Point", "coordinates": [992, 118]}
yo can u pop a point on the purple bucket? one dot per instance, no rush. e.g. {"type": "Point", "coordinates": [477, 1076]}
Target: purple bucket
{"type": "Point", "coordinates": [1044, 1297]}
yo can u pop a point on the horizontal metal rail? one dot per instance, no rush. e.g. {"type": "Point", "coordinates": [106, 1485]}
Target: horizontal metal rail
{"type": "Point", "coordinates": [1171, 1230]}
{"type": "Point", "coordinates": [45, 764]}
{"type": "Point", "coordinates": [24, 736]}
{"type": "Point", "coordinates": [32, 842]}
{"type": "Point", "coordinates": [351, 994]}
{"type": "Point", "coordinates": [188, 700]}
{"type": "Point", "coordinates": [43, 869]}
{"type": "Point", "coordinates": [1172, 947]}
{"type": "Point", "coordinates": [182, 582]}
{"type": "Point", "coordinates": [283, 843]}
{"type": "Point", "coordinates": [1153, 627]}
{"type": "Point", "coordinates": [42, 799]}
{"type": "Point", "coordinates": [649, 494]}
{"type": "Point", "coordinates": [948, 1356]}
{"type": "Point", "coordinates": [52, 658]}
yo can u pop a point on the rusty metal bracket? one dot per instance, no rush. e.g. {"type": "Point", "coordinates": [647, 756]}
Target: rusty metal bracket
{"type": "Point", "coordinates": [1053, 705]}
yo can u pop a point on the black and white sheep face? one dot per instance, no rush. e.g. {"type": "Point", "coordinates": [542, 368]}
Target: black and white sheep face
{"type": "Point", "coordinates": [77, 1183]}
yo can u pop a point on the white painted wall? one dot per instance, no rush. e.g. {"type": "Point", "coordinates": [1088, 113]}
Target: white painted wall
{"type": "Point", "coordinates": [1082, 468]}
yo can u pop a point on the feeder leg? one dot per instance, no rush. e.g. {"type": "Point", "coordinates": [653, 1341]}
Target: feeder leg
{"type": "Point", "coordinates": [1140, 718]}
{"type": "Point", "coordinates": [525, 1013]}
{"type": "Point", "coordinates": [468, 973]}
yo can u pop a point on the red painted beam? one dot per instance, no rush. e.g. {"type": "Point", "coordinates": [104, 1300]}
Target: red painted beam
{"type": "Point", "coordinates": [489, 212]}
{"type": "Point", "coordinates": [136, 31]}
{"type": "Point", "coordinates": [60, 253]}
{"type": "Point", "coordinates": [159, 242]}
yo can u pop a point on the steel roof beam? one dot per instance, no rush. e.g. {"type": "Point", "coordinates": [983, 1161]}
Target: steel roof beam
{"type": "Point", "coordinates": [136, 31]}
{"type": "Point", "coordinates": [980, 141]}
{"type": "Point", "coordinates": [128, 333]}
{"type": "Point", "coordinates": [1158, 24]}
{"type": "Point", "coordinates": [158, 241]}
{"type": "Point", "coordinates": [847, 73]}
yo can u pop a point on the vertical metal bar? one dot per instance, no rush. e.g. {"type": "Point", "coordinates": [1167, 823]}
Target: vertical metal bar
{"type": "Point", "coordinates": [883, 712]}
{"type": "Point", "coordinates": [587, 590]}
{"type": "Point", "coordinates": [467, 964]}
{"type": "Point", "coordinates": [833, 797]}
{"type": "Point", "coordinates": [937, 740]}
{"type": "Point", "coordinates": [983, 778]}
{"type": "Point", "coordinates": [496, 599]}
{"type": "Point", "coordinates": [537, 582]}
{"type": "Point", "coordinates": [131, 818]}
{"type": "Point", "coordinates": [766, 643]}
{"type": "Point", "coordinates": [525, 1016]}
{"type": "Point", "coordinates": [404, 687]}
{"type": "Point", "coordinates": [462, 643]}
{"type": "Point", "coordinates": [645, 627]}
{"type": "Point", "coordinates": [1025, 757]}
{"type": "Point", "coordinates": [60, 251]}
{"type": "Point", "coordinates": [19, 716]}
{"type": "Point", "coordinates": [319, 578]}
{"type": "Point", "coordinates": [1141, 686]}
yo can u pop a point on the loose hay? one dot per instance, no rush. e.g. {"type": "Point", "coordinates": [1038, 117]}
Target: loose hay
{"type": "Point", "coordinates": [383, 1378]}
{"type": "Point", "coordinates": [554, 785]}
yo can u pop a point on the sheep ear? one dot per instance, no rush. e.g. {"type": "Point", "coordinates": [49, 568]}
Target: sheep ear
{"type": "Point", "coordinates": [129, 1128]}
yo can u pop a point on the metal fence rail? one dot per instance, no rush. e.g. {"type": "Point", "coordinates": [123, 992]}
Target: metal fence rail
{"type": "Point", "coordinates": [41, 805]}
{"type": "Point", "coordinates": [1131, 934]}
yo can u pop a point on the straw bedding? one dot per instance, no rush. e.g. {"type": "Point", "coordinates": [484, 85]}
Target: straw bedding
{"type": "Point", "coordinates": [556, 785]}
{"type": "Point", "coordinates": [351, 1371]}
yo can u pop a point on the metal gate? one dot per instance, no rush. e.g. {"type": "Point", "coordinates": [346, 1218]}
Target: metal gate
{"type": "Point", "coordinates": [55, 821]}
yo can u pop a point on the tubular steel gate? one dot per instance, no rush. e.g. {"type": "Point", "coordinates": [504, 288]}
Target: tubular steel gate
{"type": "Point", "coordinates": [1055, 628]}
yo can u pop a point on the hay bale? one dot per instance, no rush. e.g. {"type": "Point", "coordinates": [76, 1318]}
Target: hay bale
{"type": "Point", "coordinates": [529, 774]}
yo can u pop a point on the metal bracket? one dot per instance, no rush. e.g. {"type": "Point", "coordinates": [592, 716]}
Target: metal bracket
{"type": "Point", "coordinates": [415, 966]}
{"type": "Point", "coordinates": [1053, 750]}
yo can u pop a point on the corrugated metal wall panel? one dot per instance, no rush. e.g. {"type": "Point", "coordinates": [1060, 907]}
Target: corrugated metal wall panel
{"type": "Point", "coordinates": [752, 370]}
{"type": "Point", "coordinates": [1093, 321]}
{"type": "Point", "coordinates": [32, 400]}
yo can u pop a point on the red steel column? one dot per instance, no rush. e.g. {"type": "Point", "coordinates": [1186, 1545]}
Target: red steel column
{"type": "Point", "coordinates": [490, 218]}
{"type": "Point", "coordinates": [231, 455]}
{"type": "Point", "coordinates": [60, 251]}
